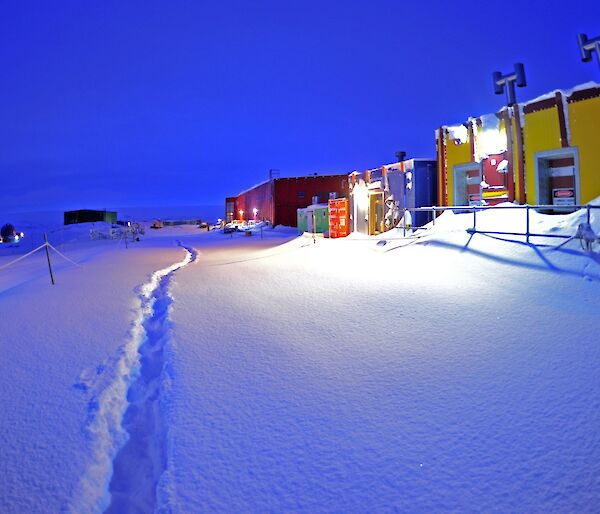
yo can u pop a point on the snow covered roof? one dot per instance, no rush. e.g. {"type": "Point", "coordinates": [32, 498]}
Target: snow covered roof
{"type": "Point", "coordinates": [546, 96]}
{"type": "Point", "coordinates": [565, 92]}
{"type": "Point", "coordinates": [314, 175]}
{"type": "Point", "coordinates": [315, 206]}
{"type": "Point", "coordinates": [253, 187]}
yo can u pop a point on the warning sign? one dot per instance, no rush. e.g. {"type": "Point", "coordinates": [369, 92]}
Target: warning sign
{"type": "Point", "coordinates": [563, 196]}
{"type": "Point", "coordinates": [475, 199]}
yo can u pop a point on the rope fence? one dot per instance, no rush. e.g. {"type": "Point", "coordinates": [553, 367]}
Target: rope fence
{"type": "Point", "coordinates": [46, 246]}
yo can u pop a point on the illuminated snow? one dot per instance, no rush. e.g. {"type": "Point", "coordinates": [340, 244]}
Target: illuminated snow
{"type": "Point", "coordinates": [446, 372]}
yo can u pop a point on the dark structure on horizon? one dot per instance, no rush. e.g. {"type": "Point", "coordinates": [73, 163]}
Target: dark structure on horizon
{"type": "Point", "coordinates": [89, 215]}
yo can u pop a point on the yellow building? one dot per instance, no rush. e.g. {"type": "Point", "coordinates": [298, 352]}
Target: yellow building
{"type": "Point", "coordinates": [543, 152]}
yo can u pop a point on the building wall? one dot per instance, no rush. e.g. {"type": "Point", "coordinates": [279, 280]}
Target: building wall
{"type": "Point", "coordinates": [230, 209]}
{"type": "Point", "coordinates": [517, 164]}
{"type": "Point", "coordinates": [558, 123]}
{"type": "Point", "coordinates": [89, 215]}
{"type": "Point", "coordinates": [291, 194]}
{"type": "Point", "coordinates": [584, 124]}
{"type": "Point", "coordinates": [541, 132]}
{"type": "Point", "coordinates": [259, 197]}
{"type": "Point", "coordinates": [455, 154]}
{"type": "Point", "coordinates": [277, 200]}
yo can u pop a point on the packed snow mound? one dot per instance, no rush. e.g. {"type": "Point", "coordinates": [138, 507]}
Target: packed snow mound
{"type": "Point", "coordinates": [284, 229]}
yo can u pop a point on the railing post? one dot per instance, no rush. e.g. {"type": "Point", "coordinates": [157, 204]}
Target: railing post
{"type": "Point", "coordinates": [588, 214]}
{"type": "Point", "coordinates": [404, 222]}
{"type": "Point", "coordinates": [474, 219]}
{"type": "Point", "coordinates": [433, 212]}
{"type": "Point", "coordinates": [527, 224]}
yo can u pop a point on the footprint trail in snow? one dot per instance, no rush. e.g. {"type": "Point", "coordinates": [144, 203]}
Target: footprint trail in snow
{"type": "Point", "coordinates": [127, 424]}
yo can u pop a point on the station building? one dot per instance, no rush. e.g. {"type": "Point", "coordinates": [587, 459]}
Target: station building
{"type": "Point", "coordinates": [379, 196]}
{"type": "Point", "coordinates": [277, 200]}
{"type": "Point", "coordinates": [541, 152]}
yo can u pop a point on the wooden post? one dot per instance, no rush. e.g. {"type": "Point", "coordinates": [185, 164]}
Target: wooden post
{"type": "Point", "coordinates": [48, 257]}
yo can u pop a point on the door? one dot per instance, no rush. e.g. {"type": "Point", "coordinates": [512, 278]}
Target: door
{"type": "Point", "coordinates": [557, 179]}
{"type": "Point", "coordinates": [467, 184]}
{"type": "Point", "coordinates": [376, 213]}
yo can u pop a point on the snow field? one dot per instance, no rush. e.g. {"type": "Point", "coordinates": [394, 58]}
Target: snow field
{"type": "Point", "coordinates": [337, 377]}
{"type": "Point", "coordinates": [62, 350]}
{"type": "Point", "coordinates": [452, 373]}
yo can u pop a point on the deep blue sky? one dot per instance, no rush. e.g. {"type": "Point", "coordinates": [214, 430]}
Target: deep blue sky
{"type": "Point", "coordinates": [122, 102]}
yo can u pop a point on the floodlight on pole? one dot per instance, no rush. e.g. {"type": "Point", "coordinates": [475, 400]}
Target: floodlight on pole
{"type": "Point", "coordinates": [506, 83]}
{"type": "Point", "coordinates": [588, 46]}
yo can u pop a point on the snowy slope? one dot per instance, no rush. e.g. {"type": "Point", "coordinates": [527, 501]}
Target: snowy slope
{"type": "Point", "coordinates": [337, 377]}
{"type": "Point", "coordinates": [60, 347]}
{"type": "Point", "coordinates": [447, 372]}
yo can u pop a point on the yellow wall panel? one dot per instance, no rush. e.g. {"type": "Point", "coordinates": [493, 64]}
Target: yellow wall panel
{"type": "Point", "coordinates": [584, 124]}
{"type": "Point", "coordinates": [455, 154]}
{"type": "Point", "coordinates": [541, 132]}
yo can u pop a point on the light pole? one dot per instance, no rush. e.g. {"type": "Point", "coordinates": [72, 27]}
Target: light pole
{"type": "Point", "coordinates": [588, 46]}
{"type": "Point", "coordinates": [507, 83]}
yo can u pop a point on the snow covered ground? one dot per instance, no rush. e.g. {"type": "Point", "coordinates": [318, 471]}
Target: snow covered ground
{"type": "Point", "coordinates": [444, 373]}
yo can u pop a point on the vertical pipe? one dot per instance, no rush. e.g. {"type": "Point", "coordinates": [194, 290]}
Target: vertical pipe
{"type": "Point", "coordinates": [520, 155]}
{"type": "Point", "coordinates": [48, 257]}
{"type": "Point", "coordinates": [527, 226]}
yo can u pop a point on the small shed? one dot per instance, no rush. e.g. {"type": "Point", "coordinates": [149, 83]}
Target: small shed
{"type": "Point", "coordinates": [314, 219]}
{"type": "Point", "coordinates": [89, 215]}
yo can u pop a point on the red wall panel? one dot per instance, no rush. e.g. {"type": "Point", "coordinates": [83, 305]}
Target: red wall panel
{"type": "Point", "coordinates": [259, 198]}
{"type": "Point", "coordinates": [279, 199]}
{"type": "Point", "coordinates": [292, 194]}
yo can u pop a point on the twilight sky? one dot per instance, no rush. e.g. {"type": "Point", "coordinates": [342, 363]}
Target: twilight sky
{"type": "Point", "coordinates": [119, 102]}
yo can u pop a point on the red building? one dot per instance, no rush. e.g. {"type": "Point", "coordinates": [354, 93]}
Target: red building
{"type": "Point", "coordinates": [277, 200]}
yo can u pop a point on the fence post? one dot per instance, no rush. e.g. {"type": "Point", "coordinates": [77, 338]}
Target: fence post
{"type": "Point", "coordinates": [404, 222]}
{"type": "Point", "coordinates": [588, 214]}
{"type": "Point", "coordinates": [48, 257]}
{"type": "Point", "coordinates": [434, 213]}
{"type": "Point", "coordinates": [527, 225]}
{"type": "Point", "coordinates": [474, 219]}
